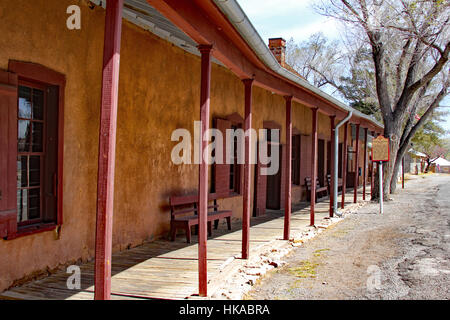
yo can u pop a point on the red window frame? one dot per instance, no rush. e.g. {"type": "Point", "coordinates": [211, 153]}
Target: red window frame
{"type": "Point", "coordinates": [33, 73]}
{"type": "Point", "coordinates": [41, 154]}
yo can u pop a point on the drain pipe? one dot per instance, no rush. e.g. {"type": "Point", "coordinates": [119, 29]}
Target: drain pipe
{"type": "Point", "coordinates": [336, 158]}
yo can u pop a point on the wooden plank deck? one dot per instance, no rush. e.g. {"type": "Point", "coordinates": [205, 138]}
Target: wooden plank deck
{"type": "Point", "coordinates": [168, 270]}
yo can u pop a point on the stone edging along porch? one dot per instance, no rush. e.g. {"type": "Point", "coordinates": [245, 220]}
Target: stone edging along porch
{"type": "Point", "coordinates": [235, 277]}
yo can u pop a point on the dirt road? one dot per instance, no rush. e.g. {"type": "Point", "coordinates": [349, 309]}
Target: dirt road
{"type": "Point", "coordinates": [402, 254]}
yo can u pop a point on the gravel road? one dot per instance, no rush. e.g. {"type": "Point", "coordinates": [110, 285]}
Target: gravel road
{"type": "Point", "coordinates": [402, 254]}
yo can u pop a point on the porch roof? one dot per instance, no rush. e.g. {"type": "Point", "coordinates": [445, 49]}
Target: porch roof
{"type": "Point", "coordinates": [143, 15]}
{"type": "Point", "coordinates": [146, 16]}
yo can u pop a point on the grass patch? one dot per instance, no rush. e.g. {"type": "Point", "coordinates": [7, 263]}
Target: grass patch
{"type": "Point", "coordinates": [339, 233]}
{"type": "Point", "coordinates": [318, 253]}
{"type": "Point", "coordinates": [306, 269]}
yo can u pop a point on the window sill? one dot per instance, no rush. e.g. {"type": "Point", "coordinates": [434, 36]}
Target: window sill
{"type": "Point", "coordinates": [30, 230]}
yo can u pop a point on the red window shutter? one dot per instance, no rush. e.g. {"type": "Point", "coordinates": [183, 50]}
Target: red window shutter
{"type": "Point", "coordinates": [51, 157]}
{"type": "Point", "coordinates": [222, 171]}
{"type": "Point", "coordinates": [8, 153]}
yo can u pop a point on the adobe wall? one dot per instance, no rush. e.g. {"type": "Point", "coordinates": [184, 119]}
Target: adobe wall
{"type": "Point", "coordinates": [159, 91]}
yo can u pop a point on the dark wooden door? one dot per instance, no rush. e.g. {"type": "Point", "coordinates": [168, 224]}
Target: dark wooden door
{"type": "Point", "coordinates": [340, 160]}
{"type": "Point", "coordinates": [329, 155]}
{"type": "Point", "coordinates": [321, 162]}
{"type": "Point", "coordinates": [260, 190]}
{"type": "Point", "coordinates": [273, 199]}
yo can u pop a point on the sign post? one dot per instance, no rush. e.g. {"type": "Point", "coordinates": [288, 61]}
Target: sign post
{"type": "Point", "coordinates": [380, 154]}
{"type": "Point", "coordinates": [380, 171]}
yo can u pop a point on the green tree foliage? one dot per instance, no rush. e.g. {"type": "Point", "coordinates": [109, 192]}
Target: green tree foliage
{"type": "Point", "coordinates": [429, 136]}
{"type": "Point", "coordinates": [446, 145]}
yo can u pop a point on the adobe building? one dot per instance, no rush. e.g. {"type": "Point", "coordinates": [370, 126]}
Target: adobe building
{"type": "Point", "coordinates": [84, 133]}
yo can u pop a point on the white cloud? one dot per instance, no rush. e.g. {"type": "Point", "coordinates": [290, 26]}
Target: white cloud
{"type": "Point", "coordinates": [330, 28]}
{"type": "Point", "coordinates": [272, 8]}
{"type": "Point", "coordinates": [288, 18]}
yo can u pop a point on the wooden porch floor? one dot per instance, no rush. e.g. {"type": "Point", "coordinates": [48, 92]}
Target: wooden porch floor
{"type": "Point", "coordinates": [168, 270]}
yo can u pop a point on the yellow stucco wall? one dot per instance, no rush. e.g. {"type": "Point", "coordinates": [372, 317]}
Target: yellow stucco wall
{"type": "Point", "coordinates": [36, 31]}
{"type": "Point", "coordinates": [159, 91]}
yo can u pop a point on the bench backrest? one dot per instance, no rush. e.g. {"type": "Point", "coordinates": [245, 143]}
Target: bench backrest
{"type": "Point", "coordinates": [181, 205]}
{"type": "Point", "coordinates": [329, 180]}
{"type": "Point", "coordinates": [308, 183]}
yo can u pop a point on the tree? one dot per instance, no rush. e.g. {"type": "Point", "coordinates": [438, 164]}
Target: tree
{"type": "Point", "coordinates": [436, 153]}
{"type": "Point", "coordinates": [447, 147]}
{"type": "Point", "coordinates": [429, 141]}
{"type": "Point", "coordinates": [409, 45]}
{"type": "Point", "coordinates": [317, 59]}
{"type": "Point", "coordinates": [326, 64]}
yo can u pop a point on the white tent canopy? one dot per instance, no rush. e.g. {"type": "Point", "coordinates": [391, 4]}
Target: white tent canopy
{"type": "Point", "coordinates": [442, 162]}
{"type": "Point", "coordinates": [417, 153]}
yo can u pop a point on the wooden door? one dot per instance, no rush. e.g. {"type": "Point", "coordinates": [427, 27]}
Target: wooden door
{"type": "Point", "coordinates": [321, 162]}
{"type": "Point", "coordinates": [273, 199]}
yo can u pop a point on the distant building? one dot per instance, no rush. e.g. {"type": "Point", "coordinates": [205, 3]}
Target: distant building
{"type": "Point", "coordinates": [440, 165]}
{"type": "Point", "coordinates": [415, 162]}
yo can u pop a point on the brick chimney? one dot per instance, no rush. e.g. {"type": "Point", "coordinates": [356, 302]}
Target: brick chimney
{"type": "Point", "coordinates": [278, 48]}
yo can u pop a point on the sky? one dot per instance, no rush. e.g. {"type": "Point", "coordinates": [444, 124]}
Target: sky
{"type": "Point", "coordinates": [287, 18]}
{"type": "Point", "coordinates": [296, 19]}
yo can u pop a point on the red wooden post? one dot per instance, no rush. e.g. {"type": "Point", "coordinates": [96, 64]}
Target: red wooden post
{"type": "Point", "coordinates": [107, 149]}
{"type": "Point", "coordinates": [356, 180]}
{"type": "Point", "coordinates": [313, 164]}
{"type": "Point", "coordinates": [366, 133]}
{"type": "Point", "coordinates": [205, 51]}
{"type": "Point", "coordinates": [372, 175]}
{"type": "Point", "coordinates": [344, 164]}
{"type": "Point", "coordinates": [248, 83]}
{"type": "Point", "coordinates": [332, 170]}
{"type": "Point", "coordinates": [288, 159]}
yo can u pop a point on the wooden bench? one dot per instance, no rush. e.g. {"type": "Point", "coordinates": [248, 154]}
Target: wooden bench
{"type": "Point", "coordinates": [184, 214]}
{"type": "Point", "coordinates": [329, 184]}
{"type": "Point", "coordinates": [319, 190]}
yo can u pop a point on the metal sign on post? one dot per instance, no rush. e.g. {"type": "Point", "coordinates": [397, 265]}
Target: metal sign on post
{"type": "Point", "coordinates": [380, 154]}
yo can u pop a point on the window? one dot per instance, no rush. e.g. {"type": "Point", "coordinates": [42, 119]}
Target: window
{"type": "Point", "coordinates": [31, 119]}
{"type": "Point", "coordinates": [30, 152]}
{"type": "Point", "coordinates": [226, 177]}
{"type": "Point", "coordinates": [296, 159]}
{"type": "Point", "coordinates": [37, 154]}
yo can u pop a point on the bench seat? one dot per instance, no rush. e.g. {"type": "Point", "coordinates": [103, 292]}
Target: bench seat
{"type": "Point", "coordinates": [184, 214]}
{"type": "Point", "coordinates": [319, 189]}
{"type": "Point", "coordinates": [329, 184]}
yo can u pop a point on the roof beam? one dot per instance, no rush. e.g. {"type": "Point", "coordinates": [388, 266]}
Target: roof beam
{"type": "Point", "coordinates": [192, 19]}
